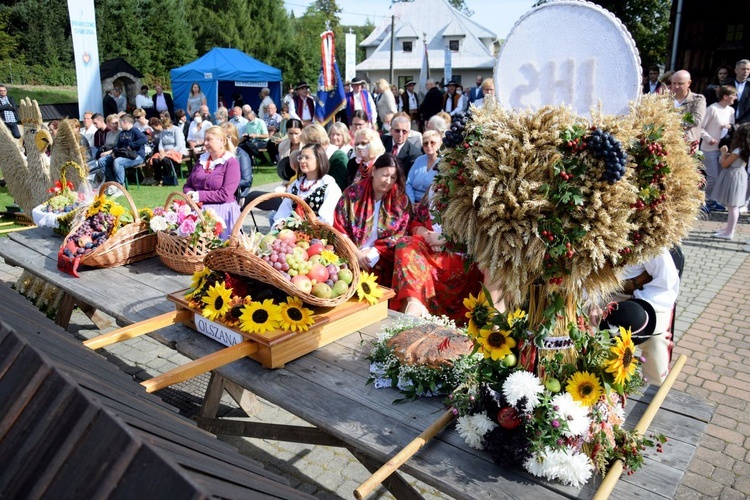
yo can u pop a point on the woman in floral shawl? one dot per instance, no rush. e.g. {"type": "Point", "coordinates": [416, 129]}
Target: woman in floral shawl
{"type": "Point", "coordinates": [374, 214]}
{"type": "Point", "coordinates": [428, 278]}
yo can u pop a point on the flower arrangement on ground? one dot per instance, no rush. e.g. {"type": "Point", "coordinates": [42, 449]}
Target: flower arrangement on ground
{"type": "Point", "coordinates": [561, 422]}
{"type": "Point", "coordinates": [181, 220]}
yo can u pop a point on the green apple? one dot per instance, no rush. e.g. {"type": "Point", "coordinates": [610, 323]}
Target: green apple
{"type": "Point", "coordinates": [510, 360]}
{"type": "Point", "coordinates": [346, 275]}
{"type": "Point", "coordinates": [553, 385]}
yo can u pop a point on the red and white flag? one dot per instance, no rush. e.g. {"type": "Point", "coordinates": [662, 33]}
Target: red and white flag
{"type": "Point", "coordinates": [328, 57]}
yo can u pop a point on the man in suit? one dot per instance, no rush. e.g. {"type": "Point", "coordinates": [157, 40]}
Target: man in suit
{"type": "Point", "coordinates": [432, 102]}
{"type": "Point", "coordinates": [163, 101]}
{"type": "Point", "coordinates": [688, 103]}
{"type": "Point", "coordinates": [476, 92]}
{"type": "Point", "coordinates": [653, 85]}
{"type": "Point", "coordinates": [9, 112]}
{"type": "Point", "coordinates": [109, 104]}
{"type": "Point", "coordinates": [397, 143]}
{"type": "Point", "coordinates": [742, 105]}
{"type": "Point", "coordinates": [451, 99]}
{"type": "Point", "coordinates": [409, 103]}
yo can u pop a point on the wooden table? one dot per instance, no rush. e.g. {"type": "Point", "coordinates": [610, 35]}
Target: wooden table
{"type": "Point", "coordinates": [327, 389]}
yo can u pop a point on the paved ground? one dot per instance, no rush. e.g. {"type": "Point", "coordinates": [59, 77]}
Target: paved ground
{"type": "Point", "coordinates": [712, 329]}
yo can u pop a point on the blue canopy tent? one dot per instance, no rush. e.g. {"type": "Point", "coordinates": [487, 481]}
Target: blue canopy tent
{"type": "Point", "coordinates": [227, 72]}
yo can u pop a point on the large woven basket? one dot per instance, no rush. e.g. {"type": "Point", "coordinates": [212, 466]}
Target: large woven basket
{"type": "Point", "coordinates": [175, 251]}
{"type": "Point", "coordinates": [235, 259]}
{"type": "Point", "coordinates": [131, 243]}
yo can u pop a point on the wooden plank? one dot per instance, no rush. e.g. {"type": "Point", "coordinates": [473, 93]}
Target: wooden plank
{"type": "Point", "coordinates": [274, 432]}
{"type": "Point", "coordinates": [200, 366]}
{"type": "Point", "coordinates": [137, 329]}
{"type": "Point", "coordinates": [212, 399]}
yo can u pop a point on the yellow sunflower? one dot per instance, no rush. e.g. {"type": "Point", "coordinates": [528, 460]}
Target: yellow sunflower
{"type": "Point", "coordinates": [96, 205]}
{"type": "Point", "coordinates": [585, 388]}
{"type": "Point", "coordinates": [624, 363]}
{"type": "Point", "coordinates": [495, 343]}
{"type": "Point", "coordinates": [478, 312]}
{"type": "Point", "coordinates": [117, 210]}
{"type": "Point", "coordinates": [368, 288]}
{"type": "Point", "coordinates": [516, 315]}
{"type": "Point", "coordinates": [260, 317]}
{"type": "Point", "coordinates": [295, 317]}
{"type": "Point", "coordinates": [197, 280]}
{"type": "Point", "coordinates": [232, 318]}
{"type": "Point", "coordinates": [329, 257]}
{"type": "Point", "coordinates": [218, 301]}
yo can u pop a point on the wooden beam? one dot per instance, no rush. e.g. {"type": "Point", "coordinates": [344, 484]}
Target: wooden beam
{"type": "Point", "coordinates": [274, 432]}
{"type": "Point", "coordinates": [395, 483]}
{"type": "Point", "coordinates": [16, 229]}
{"type": "Point", "coordinates": [212, 399]}
{"type": "Point", "coordinates": [96, 316]}
{"type": "Point", "coordinates": [200, 366]}
{"type": "Point", "coordinates": [137, 329]}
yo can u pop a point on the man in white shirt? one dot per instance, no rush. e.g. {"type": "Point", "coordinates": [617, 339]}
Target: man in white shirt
{"type": "Point", "coordinates": [88, 129]}
{"type": "Point", "coordinates": [742, 107]}
{"type": "Point", "coordinates": [265, 96]}
{"type": "Point", "coordinates": [716, 124]}
{"type": "Point", "coordinates": [361, 99]}
{"type": "Point", "coordinates": [451, 99]}
{"type": "Point", "coordinates": [302, 106]}
{"type": "Point", "coordinates": [238, 120]}
{"type": "Point", "coordinates": [690, 104]}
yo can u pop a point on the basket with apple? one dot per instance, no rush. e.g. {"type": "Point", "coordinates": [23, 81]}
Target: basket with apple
{"type": "Point", "coordinates": [306, 258]}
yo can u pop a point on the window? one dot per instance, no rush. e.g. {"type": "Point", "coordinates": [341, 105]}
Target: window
{"type": "Point", "coordinates": [407, 46]}
{"type": "Point", "coordinates": [735, 32]}
{"type": "Point", "coordinates": [402, 80]}
{"type": "Point", "coordinates": [453, 45]}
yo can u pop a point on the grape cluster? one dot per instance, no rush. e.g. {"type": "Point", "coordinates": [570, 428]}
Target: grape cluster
{"type": "Point", "coordinates": [280, 252]}
{"type": "Point", "coordinates": [61, 203]}
{"type": "Point", "coordinates": [92, 233]}
{"type": "Point", "coordinates": [604, 146]}
{"type": "Point", "coordinates": [455, 135]}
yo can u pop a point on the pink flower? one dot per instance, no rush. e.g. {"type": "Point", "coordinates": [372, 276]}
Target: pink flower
{"type": "Point", "coordinates": [159, 211]}
{"type": "Point", "coordinates": [187, 227]}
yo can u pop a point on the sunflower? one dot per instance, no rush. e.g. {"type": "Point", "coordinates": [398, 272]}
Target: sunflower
{"type": "Point", "coordinates": [96, 205]}
{"type": "Point", "coordinates": [329, 257]}
{"type": "Point", "coordinates": [198, 278]}
{"type": "Point", "coordinates": [495, 343]}
{"type": "Point", "coordinates": [624, 363]}
{"type": "Point", "coordinates": [218, 301]}
{"type": "Point", "coordinates": [294, 317]}
{"type": "Point", "coordinates": [516, 315]}
{"type": "Point", "coordinates": [478, 312]}
{"type": "Point", "coordinates": [232, 318]}
{"type": "Point", "coordinates": [368, 288]}
{"type": "Point", "coordinates": [585, 388]}
{"type": "Point", "coordinates": [260, 317]}
{"type": "Point", "coordinates": [117, 210]}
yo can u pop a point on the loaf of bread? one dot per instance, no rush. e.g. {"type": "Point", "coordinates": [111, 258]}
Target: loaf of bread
{"type": "Point", "coordinates": [430, 345]}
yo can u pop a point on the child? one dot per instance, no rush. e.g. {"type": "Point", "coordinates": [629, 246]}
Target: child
{"type": "Point", "coordinates": [732, 182]}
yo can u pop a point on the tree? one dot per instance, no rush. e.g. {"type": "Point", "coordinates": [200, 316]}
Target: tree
{"type": "Point", "coordinates": [319, 16]}
{"type": "Point", "coordinates": [170, 37]}
{"type": "Point", "coordinates": [42, 29]}
{"type": "Point", "coordinates": [459, 5]}
{"type": "Point", "coordinates": [121, 33]}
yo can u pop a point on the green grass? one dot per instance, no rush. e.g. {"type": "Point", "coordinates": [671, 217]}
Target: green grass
{"type": "Point", "coordinates": [44, 94]}
{"type": "Point", "coordinates": [153, 196]}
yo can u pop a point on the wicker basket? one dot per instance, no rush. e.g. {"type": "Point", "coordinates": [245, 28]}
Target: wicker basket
{"type": "Point", "coordinates": [131, 243]}
{"type": "Point", "coordinates": [175, 251]}
{"type": "Point", "coordinates": [235, 259]}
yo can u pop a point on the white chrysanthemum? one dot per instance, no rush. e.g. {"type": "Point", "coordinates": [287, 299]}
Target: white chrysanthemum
{"type": "Point", "coordinates": [571, 412]}
{"type": "Point", "coordinates": [522, 384]}
{"type": "Point", "coordinates": [158, 223]}
{"type": "Point", "coordinates": [538, 465]}
{"type": "Point", "coordinates": [473, 428]}
{"type": "Point", "coordinates": [570, 467]}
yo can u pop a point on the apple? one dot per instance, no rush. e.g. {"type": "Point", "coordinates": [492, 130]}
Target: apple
{"type": "Point", "coordinates": [303, 244]}
{"type": "Point", "coordinates": [346, 275]}
{"type": "Point", "coordinates": [315, 259]}
{"type": "Point", "coordinates": [339, 288]}
{"type": "Point", "coordinates": [318, 272]}
{"type": "Point", "coordinates": [315, 249]}
{"type": "Point", "coordinates": [300, 254]}
{"type": "Point", "coordinates": [287, 236]}
{"type": "Point", "coordinates": [553, 385]}
{"type": "Point", "coordinates": [508, 418]}
{"type": "Point", "coordinates": [266, 241]}
{"type": "Point", "coordinates": [510, 360]}
{"type": "Point", "coordinates": [330, 247]}
{"type": "Point", "coordinates": [302, 282]}
{"type": "Point", "coordinates": [322, 291]}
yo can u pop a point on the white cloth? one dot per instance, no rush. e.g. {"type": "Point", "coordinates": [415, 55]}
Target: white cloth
{"type": "Point", "coordinates": [372, 254]}
{"type": "Point", "coordinates": [714, 125]}
{"type": "Point", "coordinates": [143, 102]}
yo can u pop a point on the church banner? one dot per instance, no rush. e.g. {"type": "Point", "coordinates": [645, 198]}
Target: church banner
{"type": "Point", "coordinates": [86, 51]}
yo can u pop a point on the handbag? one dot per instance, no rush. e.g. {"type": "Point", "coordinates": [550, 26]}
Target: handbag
{"type": "Point", "coordinates": [171, 178]}
{"type": "Point", "coordinates": [128, 153]}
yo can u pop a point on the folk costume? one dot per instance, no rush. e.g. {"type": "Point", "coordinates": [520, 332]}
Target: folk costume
{"type": "Point", "coordinates": [216, 182]}
{"type": "Point", "coordinates": [374, 226]}
{"type": "Point", "coordinates": [439, 280]}
{"type": "Point", "coordinates": [322, 195]}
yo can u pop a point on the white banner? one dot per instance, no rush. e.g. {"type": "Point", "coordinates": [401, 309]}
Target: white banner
{"type": "Point", "coordinates": [86, 51]}
{"type": "Point", "coordinates": [350, 70]}
{"type": "Point", "coordinates": [448, 66]}
{"type": "Point", "coordinates": [251, 84]}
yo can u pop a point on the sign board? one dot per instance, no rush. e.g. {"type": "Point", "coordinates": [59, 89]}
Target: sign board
{"type": "Point", "coordinates": [351, 57]}
{"type": "Point", "coordinates": [251, 84]}
{"type": "Point", "coordinates": [568, 52]}
{"type": "Point", "coordinates": [219, 333]}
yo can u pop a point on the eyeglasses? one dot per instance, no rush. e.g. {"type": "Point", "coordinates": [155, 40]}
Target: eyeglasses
{"type": "Point", "coordinates": [429, 143]}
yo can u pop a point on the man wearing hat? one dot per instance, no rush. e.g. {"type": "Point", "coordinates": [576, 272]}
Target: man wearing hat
{"type": "Point", "coordinates": [644, 305]}
{"type": "Point", "coordinates": [451, 98]}
{"type": "Point", "coordinates": [360, 98]}
{"type": "Point", "coordinates": [409, 104]}
{"type": "Point", "coordinates": [302, 106]}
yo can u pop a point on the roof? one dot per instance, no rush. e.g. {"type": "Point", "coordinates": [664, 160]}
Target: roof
{"type": "Point", "coordinates": [436, 19]}
{"type": "Point", "coordinates": [74, 426]}
{"type": "Point", "coordinates": [225, 64]}
{"type": "Point", "coordinates": [110, 68]}
{"type": "Point", "coordinates": [58, 111]}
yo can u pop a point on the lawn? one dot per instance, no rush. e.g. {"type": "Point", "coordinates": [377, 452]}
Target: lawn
{"type": "Point", "coordinates": [43, 94]}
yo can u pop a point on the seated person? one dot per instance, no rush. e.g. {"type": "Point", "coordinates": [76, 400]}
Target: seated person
{"type": "Point", "coordinates": [256, 135]}
{"type": "Point", "coordinates": [246, 164]}
{"type": "Point", "coordinates": [367, 147]}
{"type": "Point", "coordinates": [655, 285]}
{"type": "Point", "coordinates": [338, 135]}
{"type": "Point", "coordinates": [337, 160]}
{"type": "Point", "coordinates": [196, 133]}
{"type": "Point", "coordinates": [115, 161]}
{"type": "Point", "coordinates": [314, 185]}
{"type": "Point", "coordinates": [397, 142]}
{"type": "Point", "coordinates": [427, 278]}
{"type": "Point", "coordinates": [273, 121]}
{"type": "Point", "coordinates": [290, 144]}
{"type": "Point", "coordinates": [425, 167]}
{"type": "Point", "coordinates": [171, 149]}
{"type": "Point", "coordinates": [374, 214]}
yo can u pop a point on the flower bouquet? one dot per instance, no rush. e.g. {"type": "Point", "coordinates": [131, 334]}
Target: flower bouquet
{"type": "Point", "coordinates": [60, 209]}
{"type": "Point", "coordinates": [185, 233]}
{"type": "Point", "coordinates": [562, 422]}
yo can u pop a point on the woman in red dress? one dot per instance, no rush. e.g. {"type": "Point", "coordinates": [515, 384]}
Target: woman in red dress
{"type": "Point", "coordinates": [374, 214]}
{"type": "Point", "coordinates": [428, 278]}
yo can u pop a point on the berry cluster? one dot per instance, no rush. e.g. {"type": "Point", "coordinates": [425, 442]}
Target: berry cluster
{"type": "Point", "coordinates": [91, 234]}
{"type": "Point", "coordinates": [455, 136]}
{"type": "Point", "coordinates": [604, 146]}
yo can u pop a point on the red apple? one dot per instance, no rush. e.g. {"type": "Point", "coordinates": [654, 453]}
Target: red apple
{"type": "Point", "coordinates": [318, 272]}
{"type": "Point", "coordinates": [287, 236]}
{"type": "Point", "coordinates": [302, 282]}
{"type": "Point", "coordinates": [315, 249]}
{"type": "Point", "coordinates": [508, 418]}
